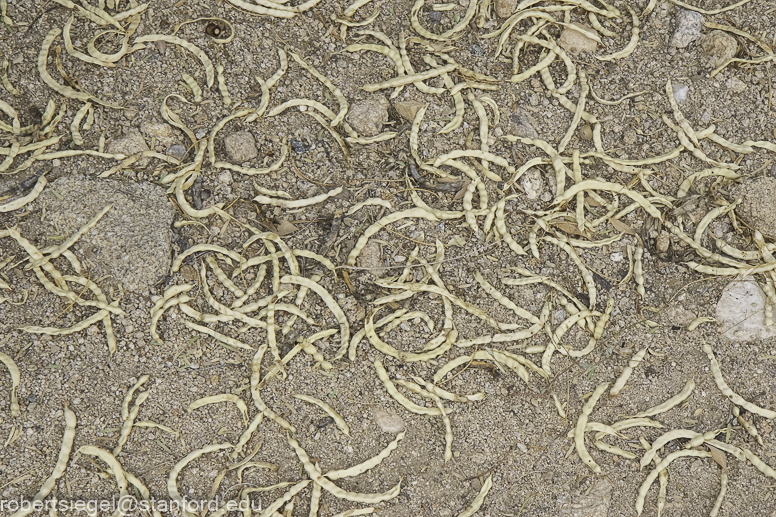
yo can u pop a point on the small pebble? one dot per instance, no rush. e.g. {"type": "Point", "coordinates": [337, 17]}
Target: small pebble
{"type": "Point", "coordinates": [132, 142]}
{"type": "Point", "coordinates": [680, 92]}
{"type": "Point", "coordinates": [408, 109]}
{"type": "Point", "coordinates": [176, 151]}
{"type": "Point", "coordinates": [297, 146]}
{"type": "Point", "coordinates": [435, 17]}
{"type": "Point", "coordinates": [532, 183]}
{"type": "Point", "coordinates": [586, 132]}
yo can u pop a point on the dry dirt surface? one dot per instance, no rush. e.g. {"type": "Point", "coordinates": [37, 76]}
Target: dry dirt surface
{"type": "Point", "coordinates": [247, 245]}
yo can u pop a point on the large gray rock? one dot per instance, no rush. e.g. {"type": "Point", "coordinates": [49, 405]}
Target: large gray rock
{"type": "Point", "coordinates": [131, 242]}
{"type": "Point", "coordinates": [741, 312]}
{"type": "Point", "coordinates": [758, 207]}
{"type": "Point", "coordinates": [688, 28]}
{"type": "Point", "coordinates": [367, 117]}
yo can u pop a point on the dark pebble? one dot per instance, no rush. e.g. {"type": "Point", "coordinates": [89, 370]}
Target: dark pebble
{"type": "Point", "coordinates": [298, 147]}
{"type": "Point", "coordinates": [435, 16]}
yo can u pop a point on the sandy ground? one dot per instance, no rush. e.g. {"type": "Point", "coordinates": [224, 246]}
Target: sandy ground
{"type": "Point", "coordinates": [515, 436]}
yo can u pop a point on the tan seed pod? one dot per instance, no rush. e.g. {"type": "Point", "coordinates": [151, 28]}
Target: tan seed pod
{"type": "Point", "coordinates": [401, 399]}
{"type": "Point", "coordinates": [329, 411]}
{"type": "Point", "coordinates": [659, 468]}
{"type": "Point", "coordinates": [59, 468]}
{"type": "Point", "coordinates": [329, 85]}
{"type": "Point", "coordinates": [65, 91]}
{"type": "Point", "coordinates": [369, 464]}
{"type": "Point", "coordinates": [630, 47]}
{"type": "Point", "coordinates": [128, 397]}
{"type": "Point", "coordinates": [671, 402]}
{"type": "Point", "coordinates": [193, 86]}
{"type": "Point", "coordinates": [333, 489]}
{"type": "Point", "coordinates": [225, 397]}
{"type": "Point", "coordinates": [476, 504]}
{"type": "Point", "coordinates": [330, 303]}
{"type": "Point", "coordinates": [129, 422]}
{"type": "Point", "coordinates": [283, 203]}
{"type": "Point", "coordinates": [172, 480]}
{"type": "Point", "coordinates": [408, 79]}
{"type": "Point", "coordinates": [24, 200]}
{"type": "Point", "coordinates": [725, 389]}
{"type": "Point", "coordinates": [627, 371]}
{"type": "Point", "coordinates": [579, 434]}
{"type": "Point", "coordinates": [447, 35]}
{"type": "Point", "coordinates": [199, 53]}
{"type": "Point", "coordinates": [13, 370]}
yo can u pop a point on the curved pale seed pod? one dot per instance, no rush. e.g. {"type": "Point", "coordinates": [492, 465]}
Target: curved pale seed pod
{"type": "Point", "coordinates": [24, 200]}
{"type": "Point", "coordinates": [368, 464]}
{"type": "Point", "coordinates": [734, 397]}
{"type": "Point", "coordinates": [329, 411]}
{"type": "Point", "coordinates": [172, 480]}
{"type": "Point", "coordinates": [670, 403]}
{"type": "Point", "coordinates": [333, 489]}
{"type": "Point", "coordinates": [13, 370]}
{"type": "Point", "coordinates": [198, 52]}
{"type": "Point", "coordinates": [579, 433]}
{"type": "Point", "coordinates": [224, 397]}
{"type": "Point", "coordinates": [59, 467]}
{"type": "Point", "coordinates": [476, 504]}
{"type": "Point", "coordinates": [659, 468]}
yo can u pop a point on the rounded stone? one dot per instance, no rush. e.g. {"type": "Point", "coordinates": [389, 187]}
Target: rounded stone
{"type": "Point", "coordinates": [162, 134]}
{"type": "Point", "coordinates": [576, 42]}
{"type": "Point", "coordinates": [241, 147]}
{"type": "Point", "coordinates": [368, 116]}
{"type": "Point", "coordinates": [718, 46]}
{"type": "Point", "coordinates": [505, 8]}
{"type": "Point", "coordinates": [131, 243]}
{"type": "Point", "coordinates": [130, 144]}
{"type": "Point", "coordinates": [389, 422]}
{"type": "Point", "coordinates": [741, 312]}
{"type": "Point", "coordinates": [688, 28]}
